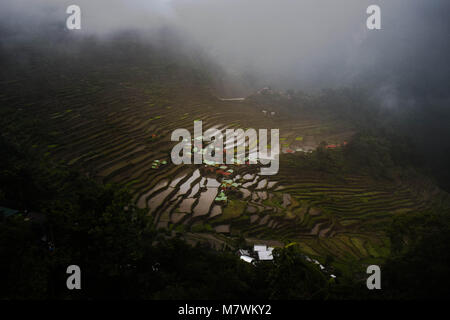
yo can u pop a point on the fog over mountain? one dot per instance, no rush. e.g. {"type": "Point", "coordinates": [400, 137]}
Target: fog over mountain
{"type": "Point", "coordinates": [112, 181]}
{"type": "Point", "coordinates": [284, 43]}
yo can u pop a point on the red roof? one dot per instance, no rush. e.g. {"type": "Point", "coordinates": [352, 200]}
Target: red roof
{"type": "Point", "coordinates": [223, 172]}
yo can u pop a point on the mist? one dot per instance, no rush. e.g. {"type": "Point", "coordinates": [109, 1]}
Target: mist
{"type": "Point", "coordinates": [283, 43]}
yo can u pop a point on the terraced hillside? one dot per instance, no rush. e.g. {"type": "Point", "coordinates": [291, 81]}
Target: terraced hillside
{"type": "Point", "coordinates": [115, 122]}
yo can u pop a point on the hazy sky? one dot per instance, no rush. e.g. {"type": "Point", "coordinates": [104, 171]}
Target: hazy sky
{"type": "Point", "coordinates": [288, 42]}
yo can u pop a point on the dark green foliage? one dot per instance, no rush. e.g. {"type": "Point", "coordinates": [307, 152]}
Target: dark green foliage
{"type": "Point", "coordinates": [121, 256]}
{"type": "Point", "coordinates": [292, 277]}
{"type": "Point", "coordinates": [420, 263]}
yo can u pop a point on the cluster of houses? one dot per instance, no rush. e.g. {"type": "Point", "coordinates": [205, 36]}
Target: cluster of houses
{"type": "Point", "coordinates": [226, 186]}
{"type": "Point", "coordinates": [225, 173]}
{"type": "Point", "coordinates": [261, 252]}
{"type": "Point", "coordinates": [322, 268]}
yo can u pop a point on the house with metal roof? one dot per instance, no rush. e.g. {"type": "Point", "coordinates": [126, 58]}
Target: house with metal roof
{"type": "Point", "coordinates": [264, 253]}
{"type": "Point", "coordinates": [259, 253]}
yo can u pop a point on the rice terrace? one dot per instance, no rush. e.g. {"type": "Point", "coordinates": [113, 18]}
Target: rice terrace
{"type": "Point", "coordinates": [122, 135]}
{"type": "Point", "coordinates": [95, 172]}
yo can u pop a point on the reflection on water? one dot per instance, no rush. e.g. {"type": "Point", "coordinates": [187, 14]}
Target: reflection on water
{"type": "Point", "coordinates": [195, 197]}
{"type": "Point", "coordinates": [271, 184]}
{"type": "Point", "coordinates": [212, 183]}
{"type": "Point", "coordinates": [216, 210]}
{"type": "Point", "coordinates": [205, 201]}
{"type": "Point", "coordinates": [194, 190]}
{"type": "Point", "coordinates": [157, 200]}
{"type": "Point", "coordinates": [175, 181]}
{"type": "Point", "coordinates": [262, 195]}
{"type": "Point", "coordinates": [143, 199]}
{"type": "Point", "coordinates": [245, 193]}
{"type": "Point", "coordinates": [186, 205]}
{"type": "Point", "coordinates": [262, 184]}
{"type": "Point", "coordinates": [187, 184]}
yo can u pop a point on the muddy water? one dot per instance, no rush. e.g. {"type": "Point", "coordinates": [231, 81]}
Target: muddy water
{"type": "Point", "coordinates": [216, 210]}
{"type": "Point", "coordinates": [187, 184]}
{"type": "Point", "coordinates": [262, 184]}
{"type": "Point", "coordinates": [212, 183]}
{"type": "Point", "coordinates": [175, 181]}
{"type": "Point", "coordinates": [262, 195]}
{"type": "Point", "coordinates": [247, 185]}
{"type": "Point", "coordinates": [225, 228]}
{"type": "Point", "coordinates": [143, 201]}
{"type": "Point", "coordinates": [186, 205]}
{"type": "Point", "coordinates": [194, 190]}
{"type": "Point", "coordinates": [174, 184]}
{"type": "Point", "coordinates": [251, 183]}
{"type": "Point", "coordinates": [205, 201]}
{"type": "Point", "coordinates": [157, 200]}
{"type": "Point", "coordinates": [271, 184]}
{"type": "Point", "coordinates": [245, 193]}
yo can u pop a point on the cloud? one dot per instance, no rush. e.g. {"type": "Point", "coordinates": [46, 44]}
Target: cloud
{"type": "Point", "coordinates": [288, 43]}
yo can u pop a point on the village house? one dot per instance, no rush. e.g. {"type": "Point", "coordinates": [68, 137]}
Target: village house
{"type": "Point", "coordinates": [260, 252]}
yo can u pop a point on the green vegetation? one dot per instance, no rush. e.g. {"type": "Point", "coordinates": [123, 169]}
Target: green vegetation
{"type": "Point", "coordinates": [98, 228]}
{"type": "Point", "coordinates": [94, 171]}
{"type": "Point", "coordinates": [123, 256]}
